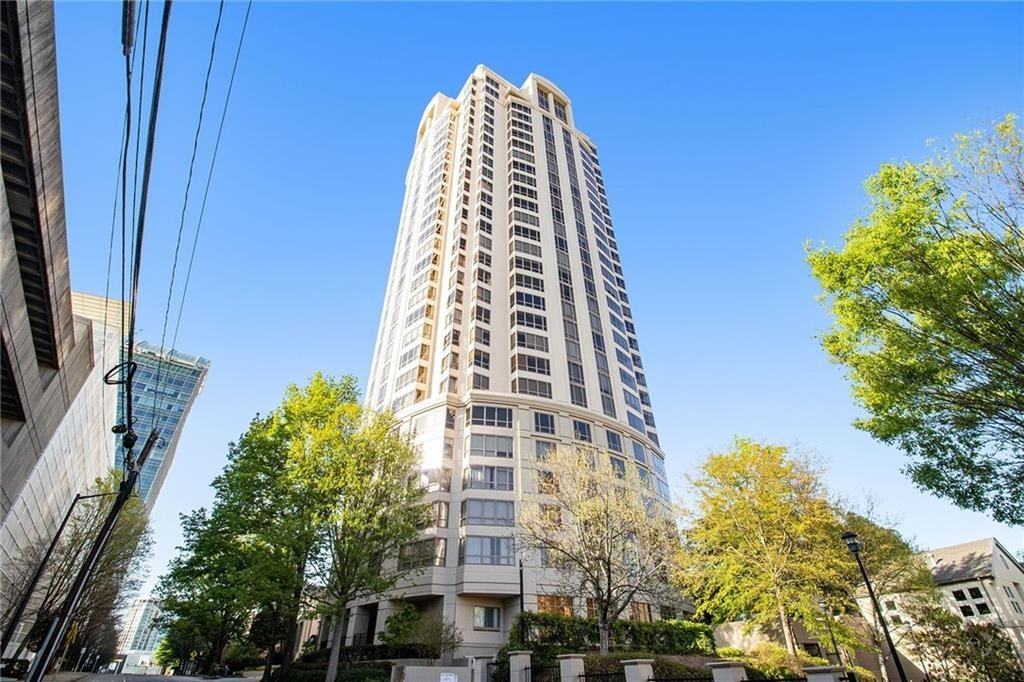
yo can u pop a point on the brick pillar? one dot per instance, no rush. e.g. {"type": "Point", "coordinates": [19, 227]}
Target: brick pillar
{"type": "Point", "coordinates": [638, 669]}
{"type": "Point", "coordinates": [570, 667]}
{"type": "Point", "coordinates": [825, 673]}
{"type": "Point", "coordinates": [519, 666]}
{"type": "Point", "coordinates": [727, 671]}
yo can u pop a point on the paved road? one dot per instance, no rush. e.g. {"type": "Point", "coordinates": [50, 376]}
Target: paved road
{"type": "Point", "coordinates": [140, 678]}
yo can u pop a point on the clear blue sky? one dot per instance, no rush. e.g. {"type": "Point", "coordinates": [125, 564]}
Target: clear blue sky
{"type": "Point", "coordinates": [729, 135]}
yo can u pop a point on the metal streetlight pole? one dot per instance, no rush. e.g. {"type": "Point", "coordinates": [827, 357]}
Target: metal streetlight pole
{"type": "Point", "coordinates": [54, 636]}
{"type": "Point", "coordinates": [853, 543]}
{"type": "Point", "coordinates": [522, 606]}
{"type": "Point", "coordinates": [831, 633]}
{"type": "Point", "coordinates": [31, 587]}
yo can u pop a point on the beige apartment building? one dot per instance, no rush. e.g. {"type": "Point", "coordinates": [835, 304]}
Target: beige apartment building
{"type": "Point", "coordinates": [506, 331]}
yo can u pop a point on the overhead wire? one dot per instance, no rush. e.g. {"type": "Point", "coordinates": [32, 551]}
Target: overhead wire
{"type": "Point", "coordinates": [184, 210]}
{"type": "Point", "coordinates": [130, 437]}
{"type": "Point", "coordinates": [209, 176]}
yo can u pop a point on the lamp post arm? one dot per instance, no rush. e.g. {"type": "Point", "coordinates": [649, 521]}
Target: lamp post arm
{"type": "Point", "coordinates": [31, 587]}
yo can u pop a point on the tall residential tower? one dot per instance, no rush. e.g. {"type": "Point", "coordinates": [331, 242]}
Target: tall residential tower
{"type": "Point", "coordinates": [506, 330]}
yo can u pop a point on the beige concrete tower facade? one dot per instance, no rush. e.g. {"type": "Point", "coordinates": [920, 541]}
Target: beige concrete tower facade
{"type": "Point", "coordinates": [506, 330]}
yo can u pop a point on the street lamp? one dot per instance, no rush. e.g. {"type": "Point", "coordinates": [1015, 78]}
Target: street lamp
{"type": "Point", "coordinates": [853, 543]}
{"type": "Point", "coordinates": [30, 589]}
{"type": "Point", "coordinates": [823, 605]}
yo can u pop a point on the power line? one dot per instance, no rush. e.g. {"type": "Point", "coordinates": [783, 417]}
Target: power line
{"type": "Point", "coordinates": [130, 437]}
{"type": "Point", "coordinates": [209, 176]}
{"type": "Point", "coordinates": [184, 208]}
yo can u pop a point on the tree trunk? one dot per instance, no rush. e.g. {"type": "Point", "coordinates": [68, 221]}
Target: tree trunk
{"type": "Point", "coordinates": [881, 666]}
{"type": "Point", "coordinates": [336, 639]}
{"type": "Point", "coordinates": [787, 634]}
{"type": "Point", "coordinates": [604, 634]}
{"type": "Point", "coordinates": [270, 648]}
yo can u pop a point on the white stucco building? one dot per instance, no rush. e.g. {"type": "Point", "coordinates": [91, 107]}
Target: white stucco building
{"type": "Point", "coordinates": [506, 330]}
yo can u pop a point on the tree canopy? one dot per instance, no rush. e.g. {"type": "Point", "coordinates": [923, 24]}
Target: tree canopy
{"type": "Point", "coordinates": [601, 525]}
{"type": "Point", "coordinates": [927, 299]}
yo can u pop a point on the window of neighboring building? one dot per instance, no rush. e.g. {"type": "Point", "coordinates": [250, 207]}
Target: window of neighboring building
{"type": "Point", "coordinates": [890, 605]}
{"type": "Point", "coordinates": [544, 448]}
{"type": "Point", "coordinates": [640, 611]}
{"type": "Point", "coordinates": [619, 467]}
{"type": "Point", "coordinates": [486, 618]}
{"type": "Point", "coordinates": [639, 454]}
{"type": "Point", "coordinates": [488, 512]}
{"type": "Point", "coordinates": [489, 478]}
{"type": "Point", "coordinates": [959, 595]}
{"type": "Point", "coordinates": [488, 551]}
{"type": "Point", "coordinates": [966, 610]}
{"type": "Point", "coordinates": [974, 592]}
{"type": "Point", "coordinates": [422, 553]}
{"type": "Point", "coordinates": [489, 445]}
{"type": "Point", "coordinates": [543, 422]}
{"type": "Point", "coordinates": [895, 619]}
{"type": "Point", "coordinates": [546, 483]}
{"type": "Point", "coordinates": [554, 603]}
{"type": "Point", "coordinates": [581, 431]}
{"type": "Point", "coordinates": [667, 612]}
{"type": "Point", "coordinates": [983, 609]}
{"type": "Point", "coordinates": [485, 415]}
{"type": "Point", "coordinates": [614, 441]}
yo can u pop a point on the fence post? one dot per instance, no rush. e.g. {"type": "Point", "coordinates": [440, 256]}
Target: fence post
{"type": "Point", "coordinates": [638, 669]}
{"type": "Point", "coordinates": [570, 667]}
{"type": "Point", "coordinates": [519, 666]}
{"type": "Point", "coordinates": [728, 671]}
{"type": "Point", "coordinates": [480, 664]}
{"type": "Point", "coordinates": [825, 673]}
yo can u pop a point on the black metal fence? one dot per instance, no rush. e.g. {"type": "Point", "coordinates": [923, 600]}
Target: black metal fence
{"type": "Point", "coordinates": [603, 677]}
{"type": "Point", "coordinates": [545, 673]}
{"type": "Point", "coordinates": [696, 678]}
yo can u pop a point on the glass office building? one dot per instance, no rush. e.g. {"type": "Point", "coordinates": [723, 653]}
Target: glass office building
{"type": "Point", "coordinates": [166, 384]}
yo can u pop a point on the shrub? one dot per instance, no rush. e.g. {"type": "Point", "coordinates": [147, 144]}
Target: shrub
{"type": "Point", "coordinates": [571, 634]}
{"type": "Point", "coordinates": [662, 666]}
{"type": "Point", "coordinates": [315, 672]}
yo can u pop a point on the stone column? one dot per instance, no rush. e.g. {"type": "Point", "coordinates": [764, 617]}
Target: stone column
{"type": "Point", "coordinates": [825, 673]}
{"type": "Point", "coordinates": [570, 667]}
{"type": "Point", "coordinates": [519, 666]}
{"type": "Point", "coordinates": [638, 669]}
{"type": "Point", "coordinates": [480, 664]}
{"type": "Point", "coordinates": [728, 671]}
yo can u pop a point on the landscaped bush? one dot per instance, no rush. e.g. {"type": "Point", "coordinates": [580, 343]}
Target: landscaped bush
{"type": "Point", "coordinates": [571, 634]}
{"type": "Point", "coordinates": [315, 672]}
{"type": "Point", "coordinates": [769, 660]}
{"type": "Point", "coordinates": [365, 652]}
{"type": "Point", "coordinates": [662, 666]}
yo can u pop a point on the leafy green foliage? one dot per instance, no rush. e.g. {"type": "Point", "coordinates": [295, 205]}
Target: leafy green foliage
{"type": "Point", "coordinates": [961, 651]}
{"type": "Point", "coordinates": [763, 541]}
{"type": "Point", "coordinates": [572, 634]}
{"type": "Point", "coordinates": [927, 298]}
{"type": "Point", "coordinates": [599, 524]}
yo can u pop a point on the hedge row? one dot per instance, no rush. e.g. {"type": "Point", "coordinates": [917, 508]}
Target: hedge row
{"type": "Point", "coordinates": [574, 634]}
{"type": "Point", "coordinates": [365, 652]}
{"type": "Point", "coordinates": [316, 672]}
{"type": "Point", "coordinates": [663, 668]}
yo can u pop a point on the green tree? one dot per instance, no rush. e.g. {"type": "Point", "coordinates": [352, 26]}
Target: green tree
{"type": "Point", "coordinates": [896, 568]}
{"type": "Point", "coordinates": [206, 598]}
{"type": "Point", "coordinates": [954, 650]}
{"type": "Point", "coordinates": [116, 579]}
{"type": "Point", "coordinates": [365, 473]}
{"type": "Point", "coordinates": [762, 542]}
{"type": "Point", "coordinates": [927, 298]}
{"type": "Point", "coordinates": [601, 525]}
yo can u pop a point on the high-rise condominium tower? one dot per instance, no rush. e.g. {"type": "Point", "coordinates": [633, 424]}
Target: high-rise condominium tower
{"type": "Point", "coordinates": [506, 330]}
